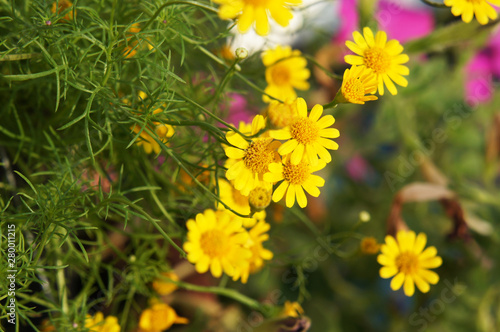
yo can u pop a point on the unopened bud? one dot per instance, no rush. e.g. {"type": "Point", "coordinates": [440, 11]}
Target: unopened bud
{"type": "Point", "coordinates": [241, 53]}
{"type": "Point", "coordinates": [364, 216]}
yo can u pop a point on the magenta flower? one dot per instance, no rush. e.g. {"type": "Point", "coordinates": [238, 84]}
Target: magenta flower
{"type": "Point", "coordinates": [238, 110]}
{"type": "Point", "coordinates": [480, 70]}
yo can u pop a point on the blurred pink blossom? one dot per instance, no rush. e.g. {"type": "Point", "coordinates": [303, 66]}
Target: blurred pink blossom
{"type": "Point", "coordinates": [238, 110]}
{"type": "Point", "coordinates": [480, 70]}
{"type": "Point", "coordinates": [358, 169]}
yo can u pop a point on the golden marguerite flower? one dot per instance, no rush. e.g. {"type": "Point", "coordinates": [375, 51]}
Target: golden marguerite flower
{"type": "Point", "coordinates": [281, 115]}
{"type": "Point", "coordinates": [383, 57]}
{"type": "Point", "coordinates": [159, 317]}
{"type": "Point", "coordinates": [308, 137]}
{"type": "Point", "coordinates": [257, 235]}
{"type": "Point", "coordinates": [405, 259]}
{"type": "Point", "coordinates": [292, 309]}
{"type": "Point", "coordinates": [216, 241]}
{"type": "Point", "coordinates": [164, 132]}
{"type": "Point", "coordinates": [296, 179]}
{"type": "Point", "coordinates": [357, 83]}
{"type": "Point", "coordinates": [238, 202]}
{"type": "Point", "coordinates": [61, 5]}
{"type": "Point", "coordinates": [369, 245]}
{"type": "Point", "coordinates": [255, 12]}
{"type": "Point", "coordinates": [97, 323]}
{"type": "Point", "coordinates": [249, 160]}
{"type": "Point", "coordinates": [163, 285]}
{"type": "Point", "coordinates": [286, 70]}
{"type": "Point", "coordinates": [468, 8]}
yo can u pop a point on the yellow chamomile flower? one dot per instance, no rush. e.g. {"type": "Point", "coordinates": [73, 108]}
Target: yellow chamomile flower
{"type": "Point", "coordinates": [260, 198]}
{"type": "Point", "coordinates": [216, 241]}
{"type": "Point", "coordinates": [257, 235]}
{"type": "Point", "coordinates": [255, 12]}
{"type": "Point", "coordinates": [238, 202]}
{"type": "Point", "coordinates": [383, 57]}
{"type": "Point", "coordinates": [292, 309]}
{"type": "Point", "coordinates": [163, 286]}
{"type": "Point", "coordinates": [369, 246]}
{"type": "Point", "coordinates": [357, 82]}
{"type": "Point", "coordinates": [281, 115]}
{"type": "Point", "coordinates": [250, 160]}
{"type": "Point", "coordinates": [286, 70]}
{"type": "Point", "coordinates": [164, 132]}
{"type": "Point", "coordinates": [296, 179]}
{"type": "Point", "coordinates": [468, 8]}
{"type": "Point", "coordinates": [159, 317]}
{"type": "Point", "coordinates": [97, 323]}
{"type": "Point", "coordinates": [308, 137]}
{"type": "Point", "coordinates": [405, 259]}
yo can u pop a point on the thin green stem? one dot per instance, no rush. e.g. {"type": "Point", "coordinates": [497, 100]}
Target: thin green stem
{"type": "Point", "coordinates": [192, 3]}
{"type": "Point", "coordinates": [434, 4]}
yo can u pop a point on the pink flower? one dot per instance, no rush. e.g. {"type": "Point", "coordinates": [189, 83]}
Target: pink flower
{"type": "Point", "coordinates": [480, 70]}
{"type": "Point", "coordinates": [238, 110]}
{"type": "Point", "coordinates": [397, 20]}
{"type": "Point", "coordinates": [358, 169]}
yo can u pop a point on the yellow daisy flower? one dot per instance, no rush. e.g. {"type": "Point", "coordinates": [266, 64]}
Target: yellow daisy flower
{"type": "Point", "coordinates": [159, 317]}
{"type": "Point", "coordinates": [97, 323]}
{"type": "Point", "coordinates": [163, 286]}
{"type": "Point", "coordinates": [358, 81]}
{"type": "Point", "coordinates": [61, 5]}
{"type": "Point", "coordinates": [292, 309]}
{"type": "Point", "coordinates": [260, 198]}
{"type": "Point", "coordinates": [308, 137]}
{"type": "Point", "coordinates": [164, 132]}
{"type": "Point", "coordinates": [238, 202]}
{"type": "Point", "coordinates": [257, 235]}
{"type": "Point", "coordinates": [249, 160]}
{"type": "Point", "coordinates": [255, 12]}
{"type": "Point", "coordinates": [216, 241]}
{"type": "Point", "coordinates": [382, 56]}
{"type": "Point", "coordinates": [281, 115]}
{"type": "Point", "coordinates": [369, 246]}
{"type": "Point", "coordinates": [295, 178]}
{"type": "Point", "coordinates": [286, 70]}
{"type": "Point", "coordinates": [405, 259]}
{"type": "Point", "coordinates": [468, 8]}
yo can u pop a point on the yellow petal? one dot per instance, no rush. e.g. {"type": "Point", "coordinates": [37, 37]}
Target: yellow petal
{"type": "Point", "coordinates": [301, 196]}
{"type": "Point", "coordinates": [236, 140]}
{"type": "Point", "coordinates": [397, 281]}
{"type": "Point", "coordinates": [409, 287]}
{"type": "Point", "coordinates": [290, 196]}
{"type": "Point", "coordinates": [388, 271]}
{"type": "Point", "coordinates": [316, 113]}
{"type": "Point", "coordinates": [280, 191]}
{"type": "Point", "coordinates": [297, 154]}
{"type": "Point", "coordinates": [234, 153]}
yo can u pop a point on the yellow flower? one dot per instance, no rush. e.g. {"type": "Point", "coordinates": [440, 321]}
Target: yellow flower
{"type": "Point", "coordinates": [216, 240]}
{"type": "Point", "coordinates": [60, 6]}
{"type": "Point", "coordinates": [295, 178]}
{"type": "Point", "coordinates": [358, 81]}
{"type": "Point", "coordinates": [408, 262]}
{"type": "Point", "coordinates": [260, 198]}
{"type": "Point", "coordinates": [159, 317]}
{"type": "Point", "coordinates": [164, 132]}
{"type": "Point", "coordinates": [286, 70]}
{"type": "Point", "coordinates": [281, 115]}
{"type": "Point", "coordinates": [163, 286]}
{"type": "Point", "coordinates": [238, 202]}
{"type": "Point", "coordinates": [308, 137]}
{"type": "Point", "coordinates": [292, 309]}
{"type": "Point", "coordinates": [249, 160]}
{"type": "Point", "coordinates": [382, 56]}
{"type": "Point", "coordinates": [249, 12]}
{"type": "Point", "coordinates": [369, 246]}
{"type": "Point", "coordinates": [98, 324]}
{"type": "Point", "coordinates": [257, 235]}
{"type": "Point", "coordinates": [467, 8]}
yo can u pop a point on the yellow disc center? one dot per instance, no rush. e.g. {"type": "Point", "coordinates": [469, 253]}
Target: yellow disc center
{"type": "Point", "coordinates": [258, 156]}
{"type": "Point", "coordinates": [407, 262]}
{"type": "Point", "coordinates": [377, 59]}
{"type": "Point", "coordinates": [280, 74]}
{"type": "Point", "coordinates": [304, 130]}
{"type": "Point", "coordinates": [353, 90]}
{"type": "Point", "coordinates": [296, 174]}
{"type": "Point", "coordinates": [213, 243]}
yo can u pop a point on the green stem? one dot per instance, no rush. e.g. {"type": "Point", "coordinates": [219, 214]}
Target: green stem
{"type": "Point", "coordinates": [192, 3]}
{"type": "Point", "coordinates": [326, 71]}
{"type": "Point", "coordinates": [227, 292]}
{"type": "Point", "coordinates": [22, 56]}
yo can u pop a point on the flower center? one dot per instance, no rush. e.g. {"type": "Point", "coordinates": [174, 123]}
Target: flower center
{"type": "Point", "coordinates": [281, 115]}
{"type": "Point", "coordinates": [353, 90]}
{"type": "Point", "coordinates": [260, 198]}
{"type": "Point", "coordinates": [304, 130]}
{"type": "Point", "coordinates": [407, 262]}
{"type": "Point", "coordinates": [258, 156]}
{"type": "Point", "coordinates": [377, 59]}
{"type": "Point", "coordinates": [280, 74]}
{"type": "Point", "coordinates": [213, 243]}
{"type": "Point", "coordinates": [296, 174]}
